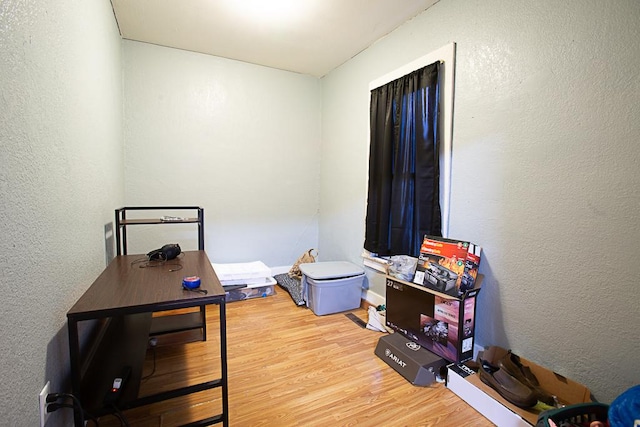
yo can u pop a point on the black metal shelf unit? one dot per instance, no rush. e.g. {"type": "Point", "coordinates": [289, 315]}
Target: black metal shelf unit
{"type": "Point", "coordinates": [108, 330]}
{"type": "Point", "coordinates": [122, 222]}
{"type": "Point", "coordinates": [177, 322]}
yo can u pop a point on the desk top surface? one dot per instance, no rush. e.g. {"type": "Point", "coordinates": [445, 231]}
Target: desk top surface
{"type": "Point", "coordinates": [130, 285]}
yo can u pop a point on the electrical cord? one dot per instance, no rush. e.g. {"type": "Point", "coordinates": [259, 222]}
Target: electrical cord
{"type": "Point", "coordinates": [120, 416]}
{"type": "Point", "coordinates": [201, 291]}
{"type": "Point", "coordinates": [139, 260]}
{"type": "Point", "coordinates": [153, 371]}
{"type": "Point", "coordinates": [147, 262]}
{"type": "Point", "coordinates": [53, 405]}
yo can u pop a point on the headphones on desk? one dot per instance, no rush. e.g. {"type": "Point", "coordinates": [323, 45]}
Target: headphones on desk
{"type": "Point", "coordinates": [165, 253]}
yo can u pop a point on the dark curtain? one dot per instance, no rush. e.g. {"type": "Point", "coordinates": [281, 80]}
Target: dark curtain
{"type": "Point", "coordinates": [404, 169]}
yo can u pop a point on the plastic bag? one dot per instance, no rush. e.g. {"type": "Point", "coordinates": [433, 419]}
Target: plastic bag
{"type": "Point", "coordinates": [305, 258]}
{"type": "Point", "coordinates": [403, 267]}
{"type": "Point", "coordinates": [376, 320]}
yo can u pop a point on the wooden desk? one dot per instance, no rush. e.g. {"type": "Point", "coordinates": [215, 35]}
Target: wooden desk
{"type": "Point", "coordinates": [109, 329]}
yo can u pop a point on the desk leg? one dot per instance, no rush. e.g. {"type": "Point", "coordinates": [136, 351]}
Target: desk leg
{"type": "Point", "coordinates": [203, 316]}
{"type": "Point", "coordinates": [74, 360]}
{"type": "Point", "coordinates": [223, 361]}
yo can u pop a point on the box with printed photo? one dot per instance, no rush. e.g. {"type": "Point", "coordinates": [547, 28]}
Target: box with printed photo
{"type": "Point", "coordinates": [439, 323]}
{"type": "Point", "coordinates": [448, 266]}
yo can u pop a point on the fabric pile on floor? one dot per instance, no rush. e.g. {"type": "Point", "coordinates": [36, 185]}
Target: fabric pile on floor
{"type": "Point", "coordinates": [292, 285]}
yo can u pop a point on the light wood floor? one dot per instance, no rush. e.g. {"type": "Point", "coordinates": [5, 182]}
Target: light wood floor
{"type": "Point", "coordinates": [289, 367]}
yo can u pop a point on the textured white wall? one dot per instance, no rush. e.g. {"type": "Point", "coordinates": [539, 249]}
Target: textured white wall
{"type": "Point", "coordinates": [240, 140]}
{"type": "Point", "coordinates": [545, 172]}
{"type": "Point", "coordinates": [60, 176]}
{"type": "Point", "coordinates": [545, 169]}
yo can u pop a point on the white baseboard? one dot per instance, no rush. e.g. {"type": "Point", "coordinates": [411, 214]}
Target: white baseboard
{"type": "Point", "coordinates": [280, 269]}
{"type": "Point", "coordinates": [372, 298]}
{"type": "Point", "coordinates": [477, 348]}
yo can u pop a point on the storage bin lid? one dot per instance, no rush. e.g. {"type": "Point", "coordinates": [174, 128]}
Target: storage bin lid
{"type": "Point", "coordinates": [330, 270]}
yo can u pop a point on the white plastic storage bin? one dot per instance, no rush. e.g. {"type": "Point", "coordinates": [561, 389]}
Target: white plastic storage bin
{"type": "Point", "coordinates": [332, 287]}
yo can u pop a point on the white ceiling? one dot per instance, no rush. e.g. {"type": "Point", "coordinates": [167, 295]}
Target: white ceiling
{"type": "Point", "coordinates": [305, 36]}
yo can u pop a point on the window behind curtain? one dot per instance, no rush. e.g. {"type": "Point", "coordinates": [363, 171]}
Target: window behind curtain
{"type": "Point", "coordinates": [404, 173]}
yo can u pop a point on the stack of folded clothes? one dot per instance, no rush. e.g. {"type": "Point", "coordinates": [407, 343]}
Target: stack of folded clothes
{"type": "Point", "coordinates": [503, 371]}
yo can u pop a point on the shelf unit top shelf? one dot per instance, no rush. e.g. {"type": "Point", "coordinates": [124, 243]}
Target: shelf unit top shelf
{"type": "Point", "coordinates": [138, 221]}
{"type": "Point", "coordinates": [175, 215]}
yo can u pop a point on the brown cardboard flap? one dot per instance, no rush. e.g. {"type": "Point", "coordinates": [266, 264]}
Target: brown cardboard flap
{"type": "Point", "coordinates": [568, 391]}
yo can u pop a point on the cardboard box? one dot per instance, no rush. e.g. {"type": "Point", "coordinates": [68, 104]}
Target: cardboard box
{"type": "Point", "coordinates": [467, 384]}
{"type": "Point", "coordinates": [419, 366]}
{"type": "Point", "coordinates": [448, 266]}
{"type": "Point", "coordinates": [438, 322]}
